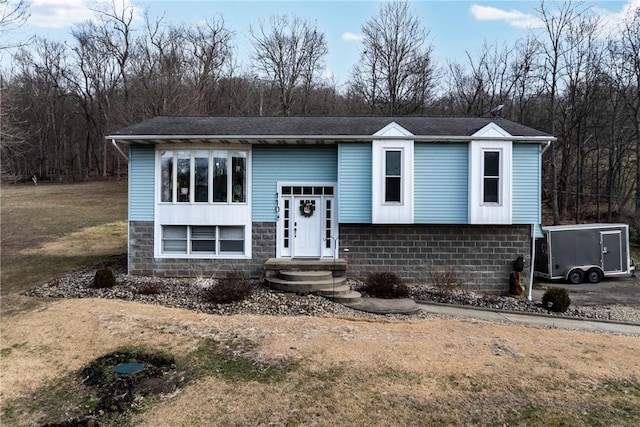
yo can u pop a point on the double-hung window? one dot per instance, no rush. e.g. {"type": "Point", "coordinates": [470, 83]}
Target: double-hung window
{"type": "Point", "coordinates": [203, 176]}
{"type": "Point", "coordinates": [490, 170]}
{"type": "Point", "coordinates": [393, 176]}
{"type": "Point", "coordinates": [491, 177]}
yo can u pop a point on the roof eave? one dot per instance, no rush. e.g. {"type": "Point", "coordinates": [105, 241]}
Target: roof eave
{"type": "Point", "coordinates": [322, 139]}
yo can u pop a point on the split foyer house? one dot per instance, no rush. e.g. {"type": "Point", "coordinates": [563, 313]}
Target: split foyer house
{"type": "Point", "coordinates": [409, 195]}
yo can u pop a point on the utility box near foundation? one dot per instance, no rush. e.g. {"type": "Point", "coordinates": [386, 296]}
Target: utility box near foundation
{"type": "Point", "coordinates": [583, 252]}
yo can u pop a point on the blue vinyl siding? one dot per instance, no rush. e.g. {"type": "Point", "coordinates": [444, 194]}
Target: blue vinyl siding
{"type": "Point", "coordinates": [273, 163]}
{"type": "Point", "coordinates": [441, 183]}
{"type": "Point", "coordinates": [526, 184]}
{"type": "Point", "coordinates": [141, 188]}
{"type": "Point", "coordinates": [354, 183]}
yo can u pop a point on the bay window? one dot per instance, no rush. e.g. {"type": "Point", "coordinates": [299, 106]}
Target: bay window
{"type": "Point", "coordinates": [203, 196]}
{"type": "Point", "coordinates": [202, 176]}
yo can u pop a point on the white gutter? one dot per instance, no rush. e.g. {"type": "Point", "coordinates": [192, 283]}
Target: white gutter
{"type": "Point", "coordinates": [548, 143]}
{"type": "Point", "coordinates": [419, 138]}
{"type": "Point", "coordinates": [113, 141]}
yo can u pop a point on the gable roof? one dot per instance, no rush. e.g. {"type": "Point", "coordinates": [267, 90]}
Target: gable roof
{"type": "Point", "coordinates": [261, 129]}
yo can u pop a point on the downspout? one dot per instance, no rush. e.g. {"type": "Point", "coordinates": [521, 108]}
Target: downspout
{"type": "Point", "coordinates": [122, 153]}
{"type": "Point", "coordinates": [533, 243]}
{"type": "Point", "coordinates": [546, 145]}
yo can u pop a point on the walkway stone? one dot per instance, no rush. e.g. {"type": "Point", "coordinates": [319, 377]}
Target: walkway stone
{"type": "Point", "coordinates": [385, 306]}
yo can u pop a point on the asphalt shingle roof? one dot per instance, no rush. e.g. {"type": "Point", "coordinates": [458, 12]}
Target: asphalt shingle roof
{"type": "Point", "coordinates": [301, 126]}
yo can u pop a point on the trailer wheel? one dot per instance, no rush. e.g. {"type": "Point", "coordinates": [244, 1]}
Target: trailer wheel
{"type": "Point", "coordinates": [575, 276]}
{"type": "Point", "coordinates": [594, 275]}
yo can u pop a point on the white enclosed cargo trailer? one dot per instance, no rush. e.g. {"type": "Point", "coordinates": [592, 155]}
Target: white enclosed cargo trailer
{"type": "Point", "coordinates": [583, 252]}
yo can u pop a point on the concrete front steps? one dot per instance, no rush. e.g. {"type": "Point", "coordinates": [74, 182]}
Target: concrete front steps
{"type": "Point", "coordinates": [320, 282]}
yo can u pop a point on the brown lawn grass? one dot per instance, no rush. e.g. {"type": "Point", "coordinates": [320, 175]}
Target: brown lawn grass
{"type": "Point", "coordinates": [341, 371]}
{"type": "Point", "coordinates": [345, 371]}
{"type": "Point", "coordinates": [50, 229]}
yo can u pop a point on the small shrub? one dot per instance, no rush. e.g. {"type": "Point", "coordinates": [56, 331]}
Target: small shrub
{"type": "Point", "coordinates": [445, 282]}
{"type": "Point", "coordinates": [151, 288]}
{"type": "Point", "coordinates": [230, 289]}
{"type": "Point", "coordinates": [385, 285]}
{"type": "Point", "coordinates": [202, 282]}
{"type": "Point", "coordinates": [556, 300]}
{"type": "Point", "coordinates": [104, 278]}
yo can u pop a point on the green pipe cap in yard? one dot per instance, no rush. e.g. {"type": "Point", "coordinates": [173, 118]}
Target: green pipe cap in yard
{"type": "Point", "coordinates": [128, 368]}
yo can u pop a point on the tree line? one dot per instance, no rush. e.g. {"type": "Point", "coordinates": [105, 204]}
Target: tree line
{"type": "Point", "coordinates": [567, 78]}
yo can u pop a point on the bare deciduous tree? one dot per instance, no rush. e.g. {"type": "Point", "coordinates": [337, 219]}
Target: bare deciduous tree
{"type": "Point", "coordinates": [12, 14]}
{"type": "Point", "coordinates": [395, 73]}
{"type": "Point", "coordinates": [13, 140]}
{"type": "Point", "coordinates": [208, 48]}
{"type": "Point", "coordinates": [491, 80]}
{"type": "Point", "coordinates": [115, 31]}
{"type": "Point", "coordinates": [625, 65]}
{"type": "Point", "coordinates": [290, 51]}
{"type": "Point", "coordinates": [557, 24]}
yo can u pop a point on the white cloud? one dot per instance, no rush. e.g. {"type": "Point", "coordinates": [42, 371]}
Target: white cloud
{"type": "Point", "coordinates": [351, 37]}
{"type": "Point", "coordinates": [328, 74]}
{"type": "Point", "coordinates": [512, 17]}
{"type": "Point", "coordinates": [64, 13]}
{"type": "Point", "coordinates": [612, 22]}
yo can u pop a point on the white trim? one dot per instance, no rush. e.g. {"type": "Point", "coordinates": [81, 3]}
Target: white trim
{"type": "Point", "coordinates": [202, 213]}
{"type": "Point", "coordinates": [479, 211]}
{"type": "Point", "coordinates": [620, 252]}
{"type": "Point", "coordinates": [307, 232]}
{"type": "Point", "coordinates": [592, 226]}
{"type": "Point", "coordinates": [282, 252]}
{"type": "Point", "coordinates": [381, 211]}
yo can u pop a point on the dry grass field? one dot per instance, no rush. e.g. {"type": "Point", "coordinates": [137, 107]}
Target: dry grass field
{"type": "Point", "coordinates": [280, 371]}
{"type": "Point", "coordinates": [51, 229]}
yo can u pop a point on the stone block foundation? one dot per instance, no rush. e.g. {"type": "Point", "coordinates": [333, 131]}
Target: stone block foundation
{"type": "Point", "coordinates": [482, 256]}
{"type": "Point", "coordinates": [142, 262]}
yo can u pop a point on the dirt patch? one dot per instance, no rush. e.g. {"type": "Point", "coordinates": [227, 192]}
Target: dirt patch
{"type": "Point", "coordinates": [352, 371]}
{"type": "Point", "coordinates": [121, 378]}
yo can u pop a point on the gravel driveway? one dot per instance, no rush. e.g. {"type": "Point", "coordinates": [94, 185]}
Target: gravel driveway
{"type": "Point", "coordinates": [624, 291]}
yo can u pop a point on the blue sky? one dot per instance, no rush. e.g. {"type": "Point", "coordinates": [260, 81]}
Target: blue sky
{"type": "Point", "coordinates": [455, 26]}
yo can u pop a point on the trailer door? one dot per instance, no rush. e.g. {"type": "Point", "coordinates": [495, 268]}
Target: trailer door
{"type": "Point", "coordinates": [611, 242]}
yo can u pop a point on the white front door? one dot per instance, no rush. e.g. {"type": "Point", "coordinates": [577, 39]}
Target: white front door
{"type": "Point", "coordinates": [307, 227]}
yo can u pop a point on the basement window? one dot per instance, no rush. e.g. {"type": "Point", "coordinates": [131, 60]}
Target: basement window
{"type": "Point", "coordinates": [203, 240]}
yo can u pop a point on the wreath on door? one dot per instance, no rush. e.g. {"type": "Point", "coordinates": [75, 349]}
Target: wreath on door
{"type": "Point", "coordinates": [307, 207]}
